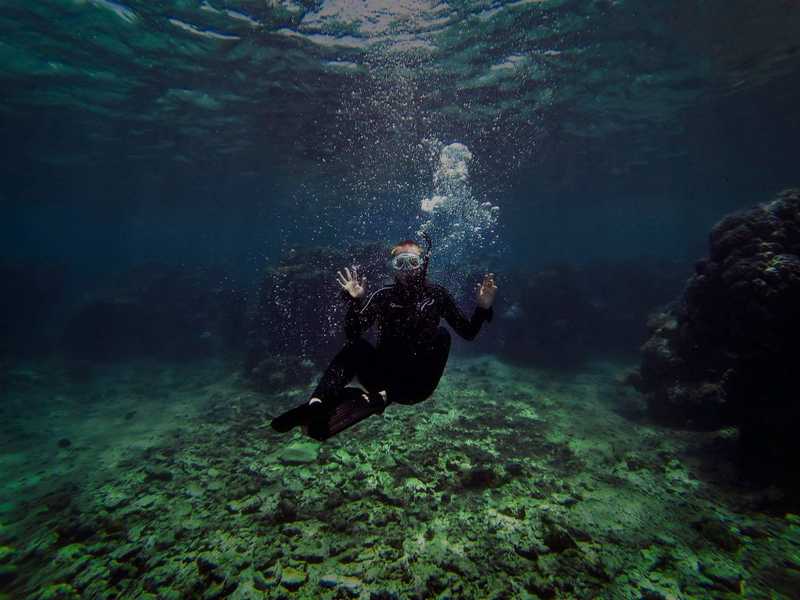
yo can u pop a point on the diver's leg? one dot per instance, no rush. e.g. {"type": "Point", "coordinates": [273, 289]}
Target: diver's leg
{"type": "Point", "coordinates": [372, 372]}
{"type": "Point", "coordinates": [348, 405]}
{"type": "Point", "coordinates": [331, 391]}
{"type": "Point", "coordinates": [424, 371]}
{"type": "Point", "coordinates": [344, 366]}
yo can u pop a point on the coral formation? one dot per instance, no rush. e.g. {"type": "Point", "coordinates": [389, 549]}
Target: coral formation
{"type": "Point", "coordinates": [725, 354]}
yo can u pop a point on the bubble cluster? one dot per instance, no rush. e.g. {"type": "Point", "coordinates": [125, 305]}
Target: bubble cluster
{"type": "Point", "coordinates": [463, 228]}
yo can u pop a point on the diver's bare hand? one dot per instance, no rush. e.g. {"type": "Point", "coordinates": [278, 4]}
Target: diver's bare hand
{"type": "Point", "coordinates": [487, 291]}
{"type": "Point", "coordinates": [351, 283]}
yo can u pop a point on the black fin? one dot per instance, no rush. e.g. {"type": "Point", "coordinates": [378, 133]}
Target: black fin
{"type": "Point", "coordinates": [299, 415]}
{"type": "Point", "coordinates": [351, 408]}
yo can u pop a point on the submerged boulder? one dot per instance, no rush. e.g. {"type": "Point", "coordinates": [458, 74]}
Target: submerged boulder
{"type": "Point", "coordinates": [725, 353]}
{"type": "Point", "coordinates": [159, 311]}
{"type": "Point", "coordinates": [566, 314]}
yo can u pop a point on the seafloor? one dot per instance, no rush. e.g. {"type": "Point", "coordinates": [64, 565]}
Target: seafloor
{"type": "Point", "coordinates": [154, 481]}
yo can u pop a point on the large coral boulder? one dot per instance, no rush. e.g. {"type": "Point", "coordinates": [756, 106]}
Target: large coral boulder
{"type": "Point", "coordinates": [727, 352]}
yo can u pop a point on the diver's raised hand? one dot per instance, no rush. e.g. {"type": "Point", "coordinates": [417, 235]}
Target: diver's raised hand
{"type": "Point", "coordinates": [487, 291]}
{"type": "Point", "coordinates": [351, 283]}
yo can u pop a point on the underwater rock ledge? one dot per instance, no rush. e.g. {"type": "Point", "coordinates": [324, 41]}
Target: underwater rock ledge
{"type": "Point", "coordinates": [725, 353]}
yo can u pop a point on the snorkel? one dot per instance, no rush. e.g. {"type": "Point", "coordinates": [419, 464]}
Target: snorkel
{"type": "Point", "coordinates": [426, 260]}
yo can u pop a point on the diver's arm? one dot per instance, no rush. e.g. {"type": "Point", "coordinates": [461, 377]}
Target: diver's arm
{"type": "Point", "coordinates": [358, 319]}
{"type": "Point", "coordinates": [466, 328]}
{"type": "Point", "coordinates": [361, 314]}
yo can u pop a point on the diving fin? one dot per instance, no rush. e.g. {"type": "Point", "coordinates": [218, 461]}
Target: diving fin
{"type": "Point", "coordinates": [351, 408]}
{"type": "Point", "coordinates": [347, 409]}
{"type": "Point", "coordinates": [299, 415]}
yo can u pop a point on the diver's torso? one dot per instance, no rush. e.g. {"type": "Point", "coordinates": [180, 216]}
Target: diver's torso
{"type": "Point", "coordinates": [409, 316]}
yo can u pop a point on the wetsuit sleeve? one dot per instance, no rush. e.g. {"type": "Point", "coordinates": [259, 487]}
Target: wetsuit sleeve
{"type": "Point", "coordinates": [361, 314]}
{"type": "Point", "coordinates": [466, 328]}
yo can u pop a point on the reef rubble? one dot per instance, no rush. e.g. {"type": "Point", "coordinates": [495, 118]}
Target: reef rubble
{"type": "Point", "coordinates": [510, 482]}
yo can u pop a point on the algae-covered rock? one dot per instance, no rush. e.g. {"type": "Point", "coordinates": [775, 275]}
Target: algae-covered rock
{"type": "Point", "coordinates": [264, 582]}
{"type": "Point", "coordinates": [558, 539]}
{"type": "Point", "coordinates": [126, 552]}
{"type": "Point", "coordinates": [312, 551]}
{"type": "Point", "coordinates": [155, 473]}
{"type": "Point", "coordinates": [246, 506]}
{"type": "Point", "coordinates": [59, 591]}
{"type": "Point", "coordinates": [719, 533]}
{"type": "Point", "coordinates": [298, 453]}
{"type": "Point", "coordinates": [479, 478]}
{"type": "Point", "coordinates": [8, 573]}
{"type": "Point", "coordinates": [7, 554]}
{"type": "Point", "coordinates": [292, 578]}
{"type": "Point", "coordinates": [384, 594]}
{"type": "Point", "coordinates": [724, 576]}
{"type": "Point", "coordinates": [351, 585]}
{"type": "Point", "coordinates": [93, 572]}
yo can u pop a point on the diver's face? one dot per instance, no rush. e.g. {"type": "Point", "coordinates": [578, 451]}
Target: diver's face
{"type": "Point", "coordinates": [407, 264]}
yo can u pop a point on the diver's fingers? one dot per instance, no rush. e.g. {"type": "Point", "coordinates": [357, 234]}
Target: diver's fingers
{"type": "Point", "coordinates": [355, 273]}
{"type": "Point", "coordinates": [349, 276]}
{"type": "Point", "coordinates": [341, 278]}
{"type": "Point", "coordinates": [364, 281]}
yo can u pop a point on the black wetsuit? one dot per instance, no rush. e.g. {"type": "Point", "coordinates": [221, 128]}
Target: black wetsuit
{"type": "Point", "coordinates": [412, 348]}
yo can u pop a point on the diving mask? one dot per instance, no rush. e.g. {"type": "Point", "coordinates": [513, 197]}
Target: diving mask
{"type": "Point", "coordinates": [406, 261]}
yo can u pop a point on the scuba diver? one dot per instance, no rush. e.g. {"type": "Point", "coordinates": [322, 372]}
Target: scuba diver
{"type": "Point", "coordinates": [412, 349]}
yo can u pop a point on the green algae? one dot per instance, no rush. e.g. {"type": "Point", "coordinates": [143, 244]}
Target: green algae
{"type": "Point", "coordinates": [7, 554]}
{"type": "Point", "coordinates": [58, 591]}
{"type": "Point", "coordinates": [508, 481]}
